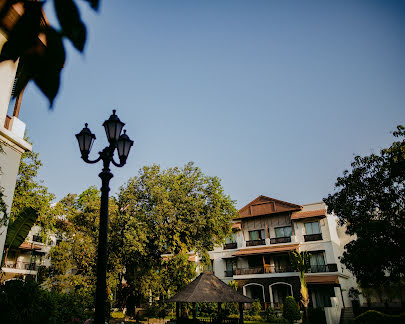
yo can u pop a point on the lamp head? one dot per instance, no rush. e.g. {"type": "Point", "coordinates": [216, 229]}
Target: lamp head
{"type": "Point", "coordinates": [113, 127]}
{"type": "Point", "coordinates": [124, 145]}
{"type": "Point", "coordinates": [85, 139]}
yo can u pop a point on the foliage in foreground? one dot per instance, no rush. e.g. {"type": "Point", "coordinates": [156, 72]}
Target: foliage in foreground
{"type": "Point", "coordinates": [369, 201]}
{"type": "Point", "coordinates": [375, 317]}
{"type": "Point", "coordinates": [26, 302]}
{"type": "Point", "coordinates": [40, 63]}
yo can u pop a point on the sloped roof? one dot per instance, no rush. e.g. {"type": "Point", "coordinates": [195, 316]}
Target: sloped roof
{"type": "Point", "coordinates": [208, 288]}
{"type": "Point", "coordinates": [309, 214]}
{"type": "Point", "coordinates": [263, 205]}
{"type": "Point", "coordinates": [267, 249]}
{"type": "Point", "coordinates": [322, 280]}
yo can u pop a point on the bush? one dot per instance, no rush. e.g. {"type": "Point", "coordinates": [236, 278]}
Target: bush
{"type": "Point", "coordinates": [26, 302]}
{"type": "Point", "coordinates": [255, 308]}
{"type": "Point", "coordinates": [271, 316]}
{"type": "Point", "coordinates": [375, 317]}
{"type": "Point", "coordinates": [291, 311]}
{"type": "Point", "coordinates": [316, 316]}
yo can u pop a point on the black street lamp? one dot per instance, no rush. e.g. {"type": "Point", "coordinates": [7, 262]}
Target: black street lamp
{"type": "Point", "coordinates": [113, 127]}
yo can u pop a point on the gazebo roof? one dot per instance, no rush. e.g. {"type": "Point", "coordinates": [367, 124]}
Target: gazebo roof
{"type": "Point", "coordinates": [208, 288]}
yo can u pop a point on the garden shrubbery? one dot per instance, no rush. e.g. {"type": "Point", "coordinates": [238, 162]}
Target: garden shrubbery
{"type": "Point", "coordinates": [375, 317]}
{"type": "Point", "coordinates": [291, 311]}
{"type": "Point", "coordinates": [26, 302]}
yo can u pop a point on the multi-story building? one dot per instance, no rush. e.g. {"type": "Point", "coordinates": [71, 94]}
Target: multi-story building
{"type": "Point", "coordinates": [24, 262]}
{"type": "Point", "coordinates": [257, 254]}
{"type": "Point", "coordinates": [11, 127]}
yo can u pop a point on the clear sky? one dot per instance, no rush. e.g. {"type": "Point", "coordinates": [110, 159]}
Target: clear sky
{"type": "Point", "coordinates": [273, 97]}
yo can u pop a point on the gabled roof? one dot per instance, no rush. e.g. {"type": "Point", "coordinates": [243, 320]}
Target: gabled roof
{"type": "Point", "coordinates": [309, 214]}
{"type": "Point", "coordinates": [208, 288]}
{"type": "Point", "coordinates": [263, 205]}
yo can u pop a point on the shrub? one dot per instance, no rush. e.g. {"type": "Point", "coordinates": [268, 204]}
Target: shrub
{"type": "Point", "coordinates": [316, 316]}
{"type": "Point", "coordinates": [255, 308]}
{"type": "Point", "coordinates": [375, 317]}
{"type": "Point", "coordinates": [26, 302]}
{"type": "Point", "coordinates": [291, 311]}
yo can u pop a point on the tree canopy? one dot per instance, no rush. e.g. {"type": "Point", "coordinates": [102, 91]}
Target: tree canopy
{"type": "Point", "coordinates": [168, 212]}
{"type": "Point", "coordinates": [370, 201]}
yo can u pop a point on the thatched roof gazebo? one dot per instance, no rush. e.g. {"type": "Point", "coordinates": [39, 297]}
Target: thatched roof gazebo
{"type": "Point", "coordinates": [209, 289]}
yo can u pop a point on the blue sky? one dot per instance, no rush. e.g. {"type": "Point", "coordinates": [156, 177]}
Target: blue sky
{"type": "Point", "coordinates": [273, 97]}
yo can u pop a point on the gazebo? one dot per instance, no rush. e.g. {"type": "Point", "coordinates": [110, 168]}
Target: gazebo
{"type": "Point", "coordinates": [209, 289]}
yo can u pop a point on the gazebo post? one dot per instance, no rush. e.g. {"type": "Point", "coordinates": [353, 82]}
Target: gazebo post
{"type": "Point", "coordinates": [194, 311]}
{"type": "Point", "coordinates": [177, 311]}
{"type": "Point", "coordinates": [240, 313]}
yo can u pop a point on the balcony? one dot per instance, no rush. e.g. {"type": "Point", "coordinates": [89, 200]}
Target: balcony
{"type": "Point", "coordinates": [256, 242]}
{"type": "Point", "coordinates": [332, 267]}
{"type": "Point", "coordinates": [264, 269]}
{"type": "Point", "coordinates": [20, 265]}
{"type": "Point", "coordinates": [229, 246]}
{"type": "Point", "coordinates": [277, 240]}
{"type": "Point", "coordinates": [229, 273]}
{"type": "Point", "coordinates": [313, 237]}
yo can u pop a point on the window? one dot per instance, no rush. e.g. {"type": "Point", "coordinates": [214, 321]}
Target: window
{"type": "Point", "coordinates": [255, 235]}
{"type": "Point", "coordinates": [312, 228]}
{"type": "Point", "coordinates": [231, 239]}
{"type": "Point", "coordinates": [317, 259]}
{"type": "Point", "coordinates": [283, 231]}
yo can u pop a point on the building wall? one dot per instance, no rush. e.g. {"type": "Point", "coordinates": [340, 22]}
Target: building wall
{"type": "Point", "coordinates": [11, 138]}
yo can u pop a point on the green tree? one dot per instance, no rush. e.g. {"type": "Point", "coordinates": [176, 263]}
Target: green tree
{"type": "Point", "coordinates": [39, 62]}
{"type": "Point", "coordinates": [291, 311]}
{"type": "Point", "coordinates": [172, 211]}
{"type": "Point", "coordinates": [31, 193]}
{"type": "Point", "coordinates": [301, 263]}
{"type": "Point", "coordinates": [3, 206]}
{"type": "Point", "coordinates": [369, 201]}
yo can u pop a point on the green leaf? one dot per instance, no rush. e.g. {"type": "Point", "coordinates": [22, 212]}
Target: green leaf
{"type": "Point", "coordinates": [69, 19]}
{"type": "Point", "coordinates": [19, 229]}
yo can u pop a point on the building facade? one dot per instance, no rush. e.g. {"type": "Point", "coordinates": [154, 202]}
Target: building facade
{"type": "Point", "coordinates": [24, 262]}
{"type": "Point", "coordinates": [257, 254]}
{"type": "Point", "coordinates": [12, 129]}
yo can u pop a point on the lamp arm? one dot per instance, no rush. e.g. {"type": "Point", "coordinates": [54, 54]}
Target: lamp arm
{"type": "Point", "coordinates": [118, 164]}
{"type": "Point", "coordinates": [86, 159]}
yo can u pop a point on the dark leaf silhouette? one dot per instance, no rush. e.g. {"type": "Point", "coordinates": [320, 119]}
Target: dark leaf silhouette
{"type": "Point", "coordinates": [41, 58]}
{"type": "Point", "coordinates": [24, 34]}
{"type": "Point", "coordinates": [69, 19]}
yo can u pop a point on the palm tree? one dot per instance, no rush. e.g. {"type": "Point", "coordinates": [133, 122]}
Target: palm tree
{"type": "Point", "coordinates": [301, 263]}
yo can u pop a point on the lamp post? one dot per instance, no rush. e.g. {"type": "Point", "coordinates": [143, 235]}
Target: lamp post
{"type": "Point", "coordinates": [113, 127]}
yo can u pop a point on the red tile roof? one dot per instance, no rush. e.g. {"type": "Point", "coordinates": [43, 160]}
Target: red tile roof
{"type": "Point", "coordinates": [322, 280]}
{"type": "Point", "coordinates": [28, 246]}
{"type": "Point", "coordinates": [309, 214]}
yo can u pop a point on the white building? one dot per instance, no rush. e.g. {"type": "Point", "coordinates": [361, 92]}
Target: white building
{"type": "Point", "coordinates": [25, 261]}
{"type": "Point", "coordinates": [11, 127]}
{"type": "Point", "coordinates": [257, 255]}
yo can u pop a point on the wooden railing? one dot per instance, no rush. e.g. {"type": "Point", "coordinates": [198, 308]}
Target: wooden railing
{"type": "Point", "coordinates": [232, 245]}
{"type": "Point", "coordinates": [256, 242]}
{"type": "Point", "coordinates": [313, 237]}
{"type": "Point", "coordinates": [276, 240]}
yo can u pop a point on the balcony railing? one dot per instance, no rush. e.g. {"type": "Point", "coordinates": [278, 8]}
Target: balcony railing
{"type": "Point", "coordinates": [332, 267]}
{"type": "Point", "coordinates": [256, 242]}
{"type": "Point", "coordinates": [277, 240]}
{"type": "Point", "coordinates": [229, 246]}
{"type": "Point", "coordinates": [264, 269]}
{"type": "Point", "coordinates": [21, 265]}
{"type": "Point", "coordinates": [313, 237]}
{"type": "Point", "coordinates": [229, 273]}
